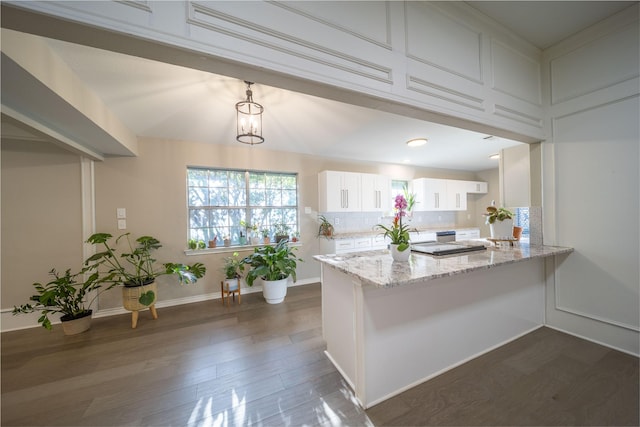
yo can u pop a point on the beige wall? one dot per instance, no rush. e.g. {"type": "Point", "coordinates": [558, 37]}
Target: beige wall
{"type": "Point", "coordinates": [41, 216]}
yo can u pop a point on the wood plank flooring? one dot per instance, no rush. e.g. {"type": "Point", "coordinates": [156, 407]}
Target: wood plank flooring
{"type": "Point", "coordinates": [205, 364]}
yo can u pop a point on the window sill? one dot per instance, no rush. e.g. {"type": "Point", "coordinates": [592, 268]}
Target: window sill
{"type": "Point", "coordinates": [231, 249]}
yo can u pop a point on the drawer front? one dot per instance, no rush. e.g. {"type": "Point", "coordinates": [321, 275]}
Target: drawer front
{"type": "Point", "coordinates": [344, 245]}
{"type": "Point", "coordinates": [363, 243]}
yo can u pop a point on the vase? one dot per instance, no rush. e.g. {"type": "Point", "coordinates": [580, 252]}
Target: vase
{"type": "Point", "coordinates": [77, 325]}
{"type": "Point", "coordinates": [502, 230]}
{"type": "Point", "coordinates": [274, 291]}
{"type": "Point", "coordinates": [400, 255]}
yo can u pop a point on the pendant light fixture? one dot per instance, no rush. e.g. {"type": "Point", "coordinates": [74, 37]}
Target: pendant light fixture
{"type": "Point", "coordinates": [249, 120]}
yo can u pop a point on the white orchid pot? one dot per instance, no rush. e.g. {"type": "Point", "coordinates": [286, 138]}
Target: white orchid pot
{"type": "Point", "coordinates": [400, 255]}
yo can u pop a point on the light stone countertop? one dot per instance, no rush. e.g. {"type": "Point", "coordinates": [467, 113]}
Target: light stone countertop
{"type": "Point", "coordinates": [378, 269]}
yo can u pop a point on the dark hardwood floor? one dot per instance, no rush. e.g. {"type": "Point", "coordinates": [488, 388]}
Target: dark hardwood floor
{"type": "Point", "coordinates": [257, 364]}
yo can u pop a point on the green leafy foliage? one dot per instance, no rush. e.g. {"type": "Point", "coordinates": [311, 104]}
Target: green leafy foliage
{"type": "Point", "coordinates": [64, 294]}
{"type": "Point", "coordinates": [500, 214]}
{"type": "Point", "coordinates": [272, 262]}
{"type": "Point", "coordinates": [232, 267]}
{"type": "Point", "coordinates": [136, 266]}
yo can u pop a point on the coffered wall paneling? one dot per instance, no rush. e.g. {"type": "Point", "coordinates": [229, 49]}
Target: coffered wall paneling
{"type": "Point", "coordinates": [436, 58]}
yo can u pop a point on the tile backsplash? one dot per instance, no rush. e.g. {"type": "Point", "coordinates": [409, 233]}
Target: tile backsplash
{"type": "Point", "coordinates": [352, 222]}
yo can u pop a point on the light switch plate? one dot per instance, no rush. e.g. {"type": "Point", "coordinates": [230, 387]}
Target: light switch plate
{"type": "Point", "coordinates": [121, 213]}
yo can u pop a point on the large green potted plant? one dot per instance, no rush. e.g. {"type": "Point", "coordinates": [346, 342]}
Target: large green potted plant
{"type": "Point", "coordinates": [136, 269]}
{"type": "Point", "coordinates": [274, 265]}
{"type": "Point", "coordinates": [64, 294]}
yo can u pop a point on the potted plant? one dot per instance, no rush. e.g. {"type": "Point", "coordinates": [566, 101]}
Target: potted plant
{"type": "Point", "coordinates": [274, 265]}
{"type": "Point", "coordinates": [325, 228]}
{"type": "Point", "coordinates": [282, 232]}
{"type": "Point", "coordinates": [397, 232]}
{"type": "Point", "coordinates": [500, 222]}
{"type": "Point", "coordinates": [138, 270]}
{"type": "Point", "coordinates": [265, 235]}
{"type": "Point", "coordinates": [64, 294]}
{"type": "Point", "coordinates": [232, 268]}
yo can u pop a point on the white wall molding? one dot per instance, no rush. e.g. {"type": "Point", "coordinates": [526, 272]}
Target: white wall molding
{"type": "Point", "coordinates": [507, 68]}
{"type": "Point", "coordinates": [217, 21]}
{"type": "Point", "coordinates": [417, 84]}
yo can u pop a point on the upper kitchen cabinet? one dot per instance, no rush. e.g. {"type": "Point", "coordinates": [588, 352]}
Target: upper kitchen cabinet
{"type": "Point", "coordinates": [430, 194]}
{"type": "Point", "coordinates": [339, 191]}
{"type": "Point", "coordinates": [375, 193]}
{"type": "Point", "coordinates": [476, 187]}
{"type": "Point", "coordinates": [353, 192]}
{"type": "Point", "coordinates": [444, 194]}
{"type": "Point", "coordinates": [472, 69]}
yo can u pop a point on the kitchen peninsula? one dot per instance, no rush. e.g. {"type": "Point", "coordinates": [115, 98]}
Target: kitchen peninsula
{"type": "Point", "coordinates": [392, 325]}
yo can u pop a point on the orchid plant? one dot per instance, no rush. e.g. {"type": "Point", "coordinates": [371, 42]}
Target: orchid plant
{"type": "Point", "coordinates": [398, 232]}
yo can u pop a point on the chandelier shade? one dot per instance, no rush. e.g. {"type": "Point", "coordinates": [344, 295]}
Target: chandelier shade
{"type": "Point", "coordinates": [249, 120]}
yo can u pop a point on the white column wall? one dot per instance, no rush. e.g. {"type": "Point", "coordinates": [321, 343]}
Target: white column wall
{"type": "Point", "coordinates": [591, 182]}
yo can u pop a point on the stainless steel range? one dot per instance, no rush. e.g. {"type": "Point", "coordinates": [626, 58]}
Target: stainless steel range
{"type": "Point", "coordinates": [449, 248]}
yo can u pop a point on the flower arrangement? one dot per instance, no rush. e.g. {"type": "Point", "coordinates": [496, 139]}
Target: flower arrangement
{"type": "Point", "coordinates": [398, 232]}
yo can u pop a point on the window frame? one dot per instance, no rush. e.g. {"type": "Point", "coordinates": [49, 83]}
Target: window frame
{"type": "Point", "coordinates": [272, 214]}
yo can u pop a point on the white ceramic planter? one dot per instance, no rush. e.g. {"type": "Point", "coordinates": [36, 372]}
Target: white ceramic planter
{"type": "Point", "coordinates": [502, 229]}
{"type": "Point", "coordinates": [231, 284]}
{"type": "Point", "coordinates": [274, 291]}
{"type": "Point", "coordinates": [400, 255]}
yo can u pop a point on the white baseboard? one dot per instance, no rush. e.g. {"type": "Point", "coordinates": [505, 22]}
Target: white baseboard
{"type": "Point", "coordinates": [9, 322]}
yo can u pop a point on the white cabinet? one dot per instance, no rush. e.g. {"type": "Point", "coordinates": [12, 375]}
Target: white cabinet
{"type": "Point", "coordinates": [353, 192]}
{"type": "Point", "coordinates": [476, 187]}
{"type": "Point", "coordinates": [440, 194]}
{"type": "Point", "coordinates": [430, 194]}
{"type": "Point", "coordinates": [375, 192]}
{"type": "Point", "coordinates": [341, 246]}
{"type": "Point", "coordinates": [456, 194]}
{"type": "Point", "coordinates": [468, 234]}
{"type": "Point", "coordinates": [339, 191]}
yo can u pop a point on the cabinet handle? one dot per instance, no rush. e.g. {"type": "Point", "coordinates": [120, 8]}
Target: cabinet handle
{"type": "Point", "coordinates": [457, 200]}
{"type": "Point", "coordinates": [437, 200]}
{"type": "Point", "coordinates": [346, 198]}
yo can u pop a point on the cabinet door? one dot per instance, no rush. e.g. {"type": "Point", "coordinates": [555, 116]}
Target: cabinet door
{"type": "Point", "coordinates": [430, 194]}
{"type": "Point", "coordinates": [375, 192]}
{"type": "Point", "coordinates": [477, 187]}
{"type": "Point", "coordinates": [351, 183]}
{"type": "Point", "coordinates": [338, 191]}
{"type": "Point", "coordinates": [456, 195]}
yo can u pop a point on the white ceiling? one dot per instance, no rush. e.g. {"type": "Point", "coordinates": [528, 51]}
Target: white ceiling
{"type": "Point", "coordinates": [160, 100]}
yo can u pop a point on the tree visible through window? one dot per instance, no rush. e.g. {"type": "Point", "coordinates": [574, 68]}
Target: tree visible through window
{"type": "Point", "coordinates": [227, 203]}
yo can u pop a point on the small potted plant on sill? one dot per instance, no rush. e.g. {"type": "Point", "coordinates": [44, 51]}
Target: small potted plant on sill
{"type": "Point", "coordinates": [232, 268]}
{"type": "Point", "coordinates": [138, 270]}
{"type": "Point", "coordinates": [500, 222]}
{"type": "Point", "coordinates": [282, 232]}
{"type": "Point", "coordinates": [274, 265]}
{"type": "Point", "coordinates": [64, 294]}
{"type": "Point", "coordinates": [265, 236]}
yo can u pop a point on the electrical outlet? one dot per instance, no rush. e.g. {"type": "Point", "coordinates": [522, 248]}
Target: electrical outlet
{"type": "Point", "coordinates": [121, 213]}
{"type": "Point", "coordinates": [122, 224]}
{"type": "Point", "coordinates": [336, 221]}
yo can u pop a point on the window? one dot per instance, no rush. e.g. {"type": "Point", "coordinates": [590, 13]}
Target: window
{"type": "Point", "coordinates": [522, 220]}
{"type": "Point", "coordinates": [231, 203]}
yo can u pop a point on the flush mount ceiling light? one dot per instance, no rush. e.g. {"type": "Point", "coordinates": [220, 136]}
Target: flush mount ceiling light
{"type": "Point", "coordinates": [417, 142]}
{"type": "Point", "coordinates": [249, 120]}
{"type": "Point", "coordinates": [494, 156]}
